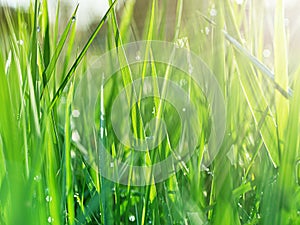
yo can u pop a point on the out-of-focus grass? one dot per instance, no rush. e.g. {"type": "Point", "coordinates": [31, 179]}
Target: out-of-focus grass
{"type": "Point", "coordinates": [44, 174]}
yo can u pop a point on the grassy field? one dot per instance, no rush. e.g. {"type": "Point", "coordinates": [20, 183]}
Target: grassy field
{"type": "Point", "coordinates": [53, 169]}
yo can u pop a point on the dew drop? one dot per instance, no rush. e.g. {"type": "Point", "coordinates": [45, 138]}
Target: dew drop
{"type": "Point", "coordinates": [50, 219]}
{"type": "Point", "coordinates": [73, 154]}
{"type": "Point", "coordinates": [131, 218]}
{"type": "Point", "coordinates": [207, 30]}
{"type": "Point", "coordinates": [8, 62]}
{"type": "Point", "coordinates": [75, 113]}
{"type": "Point", "coordinates": [182, 82]}
{"type": "Point", "coordinates": [210, 173]}
{"type": "Point", "coordinates": [286, 22]}
{"type": "Point", "coordinates": [75, 136]}
{"type": "Point", "coordinates": [76, 196]}
{"type": "Point", "coordinates": [184, 109]}
{"type": "Point", "coordinates": [20, 42]}
{"type": "Point", "coordinates": [48, 198]}
{"type": "Point", "coordinates": [191, 69]}
{"type": "Point", "coordinates": [181, 42]}
{"type": "Point", "coordinates": [37, 178]}
{"type": "Point", "coordinates": [213, 12]}
{"type": "Point", "coordinates": [73, 19]}
{"type": "Point", "coordinates": [38, 29]}
{"type": "Point", "coordinates": [138, 57]}
{"type": "Point", "coordinates": [266, 53]}
{"type": "Point", "coordinates": [153, 110]}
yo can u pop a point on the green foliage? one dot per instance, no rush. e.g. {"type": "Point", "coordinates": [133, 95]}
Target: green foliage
{"type": "Point", "coordinates": [44, 174]}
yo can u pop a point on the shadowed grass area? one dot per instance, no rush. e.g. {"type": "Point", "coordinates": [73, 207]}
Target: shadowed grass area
{"type": "Point", "coordinates": [51, 168]}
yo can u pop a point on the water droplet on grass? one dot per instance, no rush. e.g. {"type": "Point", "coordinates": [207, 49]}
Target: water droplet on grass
{"type": "Point", "coordinates": [75, 113]}
{"type": "Point", "coordinates": [20, 42]}
{"type": "Point", "coordinates": [286, 22]}
{"type": "Point", "coordinates": [75, 136]}
{"type": "Point", "coordinates": [37, 178]}
{"type": "Point", "coordinates": [38, 29]}
{"type": "Point", "coordinates": [131, 218]}
{"type": "Point", "coordinates": [138, 56]}
{"type": "Point", "coordinates": [153, 110]}
{"type": "Point", "coordinates": [207, 30]}
{"type": "Point", "coordinates": [266, 53]}
{"type": "Point", "coordinates": [73, 19]}
{"type": "Point", "coordinates": [213, 12]}
{"type": "Point", "coordinates": [8, 62]}
{"type": "Point", "coordinates": [48, 198]}
{"type": "Point", "coordinates": [73, 154]}
{"type": "Point", "coordinates": [181, 42]}
{"type": "Point", "coordinates": [50, 219]}
{"type": "Point", "coordinates": [191, 69]}
{"type": "Point", "coordinates": [182, 82]}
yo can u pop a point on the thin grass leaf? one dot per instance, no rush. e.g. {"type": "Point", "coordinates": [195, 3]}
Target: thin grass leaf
{"type": "Point", "coordinates": [80, 57]}
{"type": "Point", "coordinates": [127, 16]}
{"type": "Point", "coordinates": [281, 69]}
{"type": "Point", "coordinates": [33, 53]}
{"type": "Point", "coordinates": [68, 162]}
{"type": "Point", "coordinates": [258, 64]}
{"type": "Point", "coordinates": [49, 68]}
{"type": "Point", "coordinates": [285, 193]}
{"type": "Point", "coordinates": [47, 50]}
{"type": "Point", "coordinates": [259, 106]}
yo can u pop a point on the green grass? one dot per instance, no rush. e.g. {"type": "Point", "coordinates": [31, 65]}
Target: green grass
{"type": "Point", "coordinates": [47, 176]}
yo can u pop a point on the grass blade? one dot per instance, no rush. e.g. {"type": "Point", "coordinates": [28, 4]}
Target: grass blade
{"type": "Point", "coordinates": [68, 162]}
{"type": "Point", "coordinates": [49, 68]}
{"type": "Point", "coordinates": [80, 57]}
{"type": "Point", "coordinates": [281, 70]}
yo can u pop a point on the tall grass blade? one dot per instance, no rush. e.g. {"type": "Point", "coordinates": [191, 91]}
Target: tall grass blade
{"type": "Point", "coordinates": [68, 160]}
{"type": "Point", "coordinates": [49, 68]}
{"type": "Point", "coordinates": [281, 70]}
{"type": "Point", "coordinates": [80, 57]}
